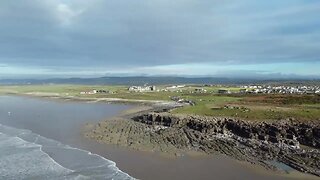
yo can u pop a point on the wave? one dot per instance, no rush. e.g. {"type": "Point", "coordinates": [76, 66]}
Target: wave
{"type": "Point", "coordinates": [26, 155]}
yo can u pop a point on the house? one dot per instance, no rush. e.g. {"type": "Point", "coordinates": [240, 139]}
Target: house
{"type": "Point", "coordinates": [142, 88]}
{"type": "Point", "coordinates": [175, 87]}
{"type": "Point", "coordinates": [89, 92]}
{"type": "Point", "coordinates": [101, 91]}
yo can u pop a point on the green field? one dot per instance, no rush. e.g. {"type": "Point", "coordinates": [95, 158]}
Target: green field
{"type": "Point", "coordinates": [251, 107]}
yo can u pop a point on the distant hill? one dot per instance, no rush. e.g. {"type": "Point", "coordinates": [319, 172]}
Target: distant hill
{"type": "Point", "coordinates": [140, 80]}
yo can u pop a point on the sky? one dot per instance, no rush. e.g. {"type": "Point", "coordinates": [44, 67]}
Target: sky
{"type": "Point", "coordinates": [229, 38]}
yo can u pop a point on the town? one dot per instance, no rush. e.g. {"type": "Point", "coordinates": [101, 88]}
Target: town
{"type": "Point", "coordinates": [268, 89]}
{"type": "Point", "coordinates": [217, 89]}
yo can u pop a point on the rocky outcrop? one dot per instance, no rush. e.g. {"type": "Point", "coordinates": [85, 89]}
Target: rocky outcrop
{"type": "Point", "coordinates": [257, 142]}
{"type": "Point", "coordinates": [285, 132]}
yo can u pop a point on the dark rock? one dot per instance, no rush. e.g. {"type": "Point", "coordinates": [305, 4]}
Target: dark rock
{"type": "Point", "coordinates": [273, 139]}
{"type": "Point", "coordinates": [243, 140]}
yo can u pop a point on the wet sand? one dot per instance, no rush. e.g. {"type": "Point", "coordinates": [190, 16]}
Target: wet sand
{"type": "Point", "coordinates": [148, 165]}
{"type": "Point", "coordinates": [63, 122]}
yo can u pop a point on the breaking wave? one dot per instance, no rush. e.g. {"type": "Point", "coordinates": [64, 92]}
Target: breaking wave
{"type": "Point", "coordinates": [26, 155]}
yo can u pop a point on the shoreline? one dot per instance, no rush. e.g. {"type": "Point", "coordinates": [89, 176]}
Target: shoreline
{"type": "Point", "coordinates": [53, 96]}
{"type": "Point", "coordinates": [125, 131]}
{"type": "Point", "coordinates": [127, 114]}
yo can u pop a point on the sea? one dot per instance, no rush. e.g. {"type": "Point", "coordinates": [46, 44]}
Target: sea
{"type": "Point", "coordinates": [41, 139]}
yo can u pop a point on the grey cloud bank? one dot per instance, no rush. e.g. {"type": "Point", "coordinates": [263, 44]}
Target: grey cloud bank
{"type": "Point", "coordinates": [115, 34]}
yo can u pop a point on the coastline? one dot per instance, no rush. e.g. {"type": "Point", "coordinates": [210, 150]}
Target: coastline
{"type": "Point", "coordinates": [165, 155]}
{"type": "Point", "coordinates": [56, 96]}
{"type": "Point", "coordinates": [163, 151]}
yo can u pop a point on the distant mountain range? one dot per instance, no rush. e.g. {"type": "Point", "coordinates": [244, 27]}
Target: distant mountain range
{"type": "Point", "coordinates": [141, 80]}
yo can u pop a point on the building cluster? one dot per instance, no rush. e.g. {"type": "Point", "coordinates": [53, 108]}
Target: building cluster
{"type": "Point", "coordinates": [269, 89]}
{"type": "Point", "coordinates": [200, 90]}
{"type": "Point", "coordinates": [173, 88]}
{"type": "Point", "coordinates": [94, 91]}
{"type": "Point", "coordinates": [142, 88]}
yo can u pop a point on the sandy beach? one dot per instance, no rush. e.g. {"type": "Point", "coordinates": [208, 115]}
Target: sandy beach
{"type": "Point", "coordinates": [147, 165]}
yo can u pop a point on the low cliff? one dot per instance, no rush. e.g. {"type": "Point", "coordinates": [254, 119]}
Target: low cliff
{"type": "Point", "coordinates": [251, 141]}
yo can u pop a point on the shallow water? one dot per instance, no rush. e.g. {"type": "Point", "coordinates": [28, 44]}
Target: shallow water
{"type": "Point", "coordinates": [47, 152]}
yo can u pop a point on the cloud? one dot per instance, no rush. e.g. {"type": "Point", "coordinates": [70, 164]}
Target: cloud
{"type": "Point", "coordinates": [65, 14]}
{"type": "Point", "coordinates": [130, 34]}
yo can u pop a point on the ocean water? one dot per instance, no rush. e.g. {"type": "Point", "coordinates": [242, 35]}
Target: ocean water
{"type": "Point", "coordinates": [25, 154]}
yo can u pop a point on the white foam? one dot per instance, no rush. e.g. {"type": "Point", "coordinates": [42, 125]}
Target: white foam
{"type": "Point", "coordinates": [26, 155]}
{"type": "Point", "coordinates": [20, 159]}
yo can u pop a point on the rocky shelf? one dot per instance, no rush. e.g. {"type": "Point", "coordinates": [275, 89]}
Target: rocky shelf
{"type": "Point", "coordinates": [295, 144]}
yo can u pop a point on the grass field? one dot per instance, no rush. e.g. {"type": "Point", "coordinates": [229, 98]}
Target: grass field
{"type": "Point", "coordinates": [250, 107]}
{"type": "Point", "coordinates": [258, 107]}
